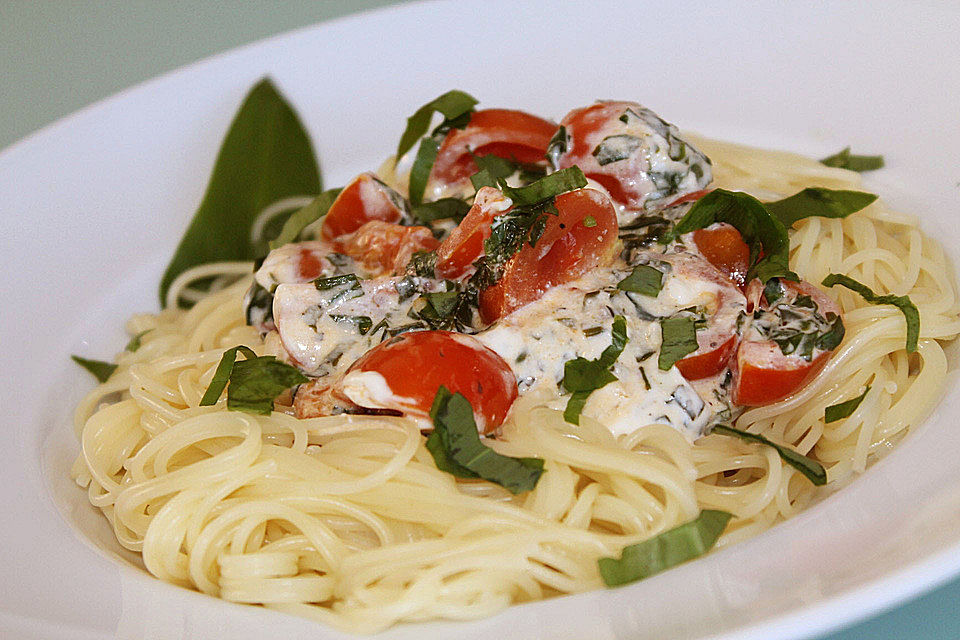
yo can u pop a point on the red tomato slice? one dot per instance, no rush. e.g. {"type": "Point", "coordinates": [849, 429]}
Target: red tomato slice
{"type": "Point", "coordinates": [690, 197]}
{"type": "Point", "coordinates": [384, 248]}
{"type": "Point", "coordinates": [761, 373]}
{"type": "Point", "coordinates": [718, 341]}
{"type": "Point", "coordinates": [505, 133]}
{"type": "Point", "coordinates": [366, 198]}
{"type": "Point", "coordinates": [723, 246]}
{"type": "Point", "coordinates": [464, 245]}
{"type": "Point", "coordinates": [567, 249]}
{"type": "Point", "coordinates": [415, 364]}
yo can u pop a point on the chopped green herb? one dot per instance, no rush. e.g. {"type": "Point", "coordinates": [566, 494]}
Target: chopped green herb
{"type": "Point", "coordinates": [452, 104]}
{"type": "Point", "coordinates": [495, 166]}
{"type": "Point", "coordinates": [773, 290]}
{"type": "Point", "coordinates": [265, 157]}
{"type": "Point", "coordinates": [362, 323]}
{"type": "Point", "coordinates": [457, 449]}
{"type": "Point", "coordinates": [679, 339]}
{"type": "Point", "coordinates": [581, 377]}
{"type": "Point", "coordinates": [546, 188]}
{"type": "Point", "coordinates": [254, 382]}
{"type": "Point", "coordinates": [304, 217]}
{"type": "Point", "coordinates": [843, 410]}
{"type": "Point", "coordinates": [589, 332]}
{"type": "Point", "coordinates": [809, 467]}
{"type": "Point", "coordinates": [557, 146]}
{"type": "Point", "coordinates": [322, 284]}
{"type": "Point", "coordinates": [589, 222]}
{"type": "Point", "coordinates": [423, 264]}
{"type": "Point", "coordinates": [846, 160]}
{"type": "Point", "coordinates": [815, 201]}
{"type": "Point", "coordinates": [616, 148]}
{"type": "Point", "coordinates": [100, 370]}
{"type": "Point", "coordinates": [686, 542]}
{"type": "Point", "coordinates": [420, 171]}
{"type": "Point", "coordinates": [906, 306]}
{"type": "Point", "coordinates": [134, 343]}
{"type": "Point", "coordinates": [644, 280]}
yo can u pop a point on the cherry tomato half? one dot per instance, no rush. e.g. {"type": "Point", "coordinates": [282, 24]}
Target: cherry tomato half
{"type": "Point", "coordinates": [581, 237]}
{"type": "Point", "coordinates": [415, 364]}
{"type": "Point", "coordinates": [384, 248]}
{"type": "Point", "coordinates": [364, 199]}
{"type": "Point", "coordinates": [761, 373]}
{"type": "Point", "coordinates": [505, 133]}
{"type": "Point", "coordinates": [723, 247]}
{"type": "Point", "coordinates": [464, 245]}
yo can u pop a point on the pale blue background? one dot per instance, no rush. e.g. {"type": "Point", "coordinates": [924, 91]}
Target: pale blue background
{"type": "Point", "coordinates": [58, 56]}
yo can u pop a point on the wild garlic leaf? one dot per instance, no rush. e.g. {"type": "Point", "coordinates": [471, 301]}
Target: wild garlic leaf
{"type": "Point", "coordinates": [581, 377]}
{"type": "Point", "coordinates": [846, 160]}
{"type": "Point", "coordinates": [685, 542]}
{"type": "Point", "coordinates": [809, 467]}
{"type": "Point", "coordinates": [101, 370]}
{"type": "Point", "coordinates": [906, 306]}
{"type": "Point", "coordinates": [644, 280]}
{"type": "Point", "coordinates": [457, 449]}
{"type": "Point", "coordinates": [303, 217]}
{"type": "Point", "coordinates": [844, 409]}
{"type": "Point", "coordinates": [265, 157]}
{"type": "Point", "coordinates": [679, 338]}
{"type": "Point", "coordinates": [452, 104]}
{"type": "Point", "coordinates": [815, 201]}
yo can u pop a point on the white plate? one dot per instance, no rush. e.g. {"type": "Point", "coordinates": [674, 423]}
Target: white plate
{"type": "Point", "coordinates": [92, 207]}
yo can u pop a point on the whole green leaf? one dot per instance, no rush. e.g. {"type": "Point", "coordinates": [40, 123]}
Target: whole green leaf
{"type": "Point", "coordinates": [809, 467]}
{"type": "Point", "coordinates": [452, 104]}
{"type": "Point", "coordinates": [686, 542]}
{"type": "Point", "coordinates": [222, 375]}
{"type": "Point", "coordinates": [815, 201]}
{"type": "Point", "coordinates": [844, 409]}
{"type": "Point", "coordinates": [305, 216]}
{"type": "Point", "coordinates": [846, 160]}
{"type": "Point", "coordinates": [906, 306]}
{"type": "Point", "coordinates": [100, 370]}
{"type": "Point", "coordinates": [265, 157]}
{"type": "Point", "coordinates": [456, 447]}
{"type": "Point", "coordinates": [644, 280]}
{"type": "Point", "coordinates": [679, 338]}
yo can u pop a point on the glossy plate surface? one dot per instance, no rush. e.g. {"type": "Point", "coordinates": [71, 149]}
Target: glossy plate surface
{"type": "Point", "coordinates": [92, 207]}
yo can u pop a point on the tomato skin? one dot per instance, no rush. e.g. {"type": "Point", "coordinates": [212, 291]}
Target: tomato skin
{"type": "Point", "coordinates": [505, 133]}
{"type": "Point", "coordinates": [364, 199]}
{"type": "Point", "coordinates": [723, 247]}
{"type": "Point", "coordinates": [566, 250]}
{"type": "Point", "coordinates": [464, 245]}
{"type": "Point", "coordinates": [761, 373]}
{"type": "Point", "coordinates": [415, 364]}
{"type": "Point", "coordinates": [384, 248]}
{"type": "Point", "coordinates": [697, 365]}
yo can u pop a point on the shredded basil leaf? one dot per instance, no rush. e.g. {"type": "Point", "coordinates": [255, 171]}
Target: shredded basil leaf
{"type": "Point", "coordinates": [685, 542]}
{"type": "Point", "coordinates": [644, 280]}
{"type": "Point", "coordinates": [557, 146]}
{"type": "Point", "coordinates": [679, 338]}
{"type": "Point", "coordinates": [101, 370]}
{"type": "Point", "coordinates": [815, 201]}
{"type": "Point", "coordinates": [846, 160]}
{"type": "Point", "coordinates": [423, 264]}
{"type": "Point", "coordinates": [440, 209]}
{"type": "Point", "coordinates": [906, 306]}
{"type": "Point", "coordinates": [420, 172]}
{"type": "Point", "coordinates": [760, 230]}
{"type": "Point", "coordinates": [362, 323]}
{"type": "Point", "coordinates": [457, 449]}
{"type": "Point", "coordinates": [254, 382]}
{"type": "Point", "coordinates": [809, 467]}
{"type": "Point", "coordinates": [322, 284]}
{"type": "Point", "coordinates": [546, 188]}
{"type": "Point", "coordinates": [582, 377]}
{"type": "Point", "coordinates": [305, 216]}
{"type": "Point", "coordinates": [265, 157]}
{"type": "Point", "coordinates": [134, 343]}
{"type": "Point", "coordinates": [616, 148]}
{"type": "Point", "coordinates": [843, 410]}
{"type": "Point", "coordinates": [452, 104]}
